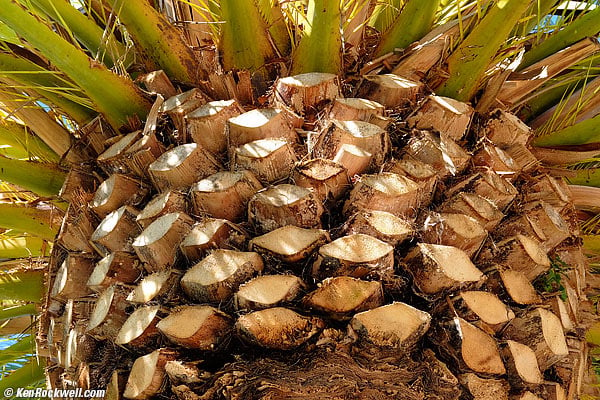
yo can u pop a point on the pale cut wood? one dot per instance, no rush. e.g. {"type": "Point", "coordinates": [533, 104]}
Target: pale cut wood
{"type": "Point", "coordinates": [117, 267]}
{"type": "Point", "coordinates": [110, 159]}
{"type": "Point", "coordinates": [436, 268]}
{"type": "Point", "coordinates": [157, 245]}
{"type": "Point", "coordinates": [108, 315]}
{"type": "Point", "coordinates": [130, 157]}
{"type": "Point", "coordinates": [212, 233]}
{"type": "Point", "coordinates": [206, 124]}
{"type": "Point", "coordinates": [387, 191]}
{"type": "Point", "coordinates": [486, 307]}
{"type": "Point", "coordinates": [563, 310]}
{"type": "Point", "coordinates": [116, 231]}
{"type": "Point", "coordinates": [354, 159]}
{"type": "Point", "coordinates": [181, 166]}
{"type": "Point", "coordinates": [357, 256]}
{"type": "Point", "coordinates": [307, 92]}
{"type": "Point", "coordinates": [525, 396]}
{"type": "Point", "coordinates": [269, 159]}
{"type": "Point", "coordinates": [355, 109]}
{"type": "Point", "coordinates": [541, 330]}
{"type": "Point", "coordinates": [518, 287]}
{"type": "Point", "coordinates": [391, 90]}
{"type": "Point", "coordinates": [277, 328]}
{"type": "Point", "coordinates": [497, 159]}
{"type": "Point", "coordinates": [442, 153]}
{"type": "Point", "coordinates": [158, 82]}
{"type": "Point", "coordinates": [118, 190]}
{"type": "Point", "coordinates": [327, 178]}
{"type": "Point", "coordinates": [141, 154]}
{"type": "Point", "coordinates": [448, 116]}
{"type": "Point", "coordinates": [537, 220]}
{"type": "Point", "coordinates": [163, 203]}
{"type": "Point", "coordinates": [478, 350]}
{"type": "Point", "coordinates": [77, 347]}
{"type": "Point", "coordinates": [368, 137]}
{"type": "Point", "coordinates": [485, 389]}
{"type": "Point", "coordinates": [264, 123]}
{"type": "Point", "coordinates": [54, 338]}
{"type": "Point", "coordinates": [178, 106]}
{"type": "Point", "coordinates": [521, 365]}
{"type": "Point", "coordinates": [424, 174]}
{"type": "Point", "coordinates": [289, 243]}
{"type": "Point", "coordinates": [486, 183]}
{"type": "Point", "coordinates": [458, 230]}
{"type": "Point", "coordinates": [196, 327]}
{"type": "Point", "coordinates": [69, 281]}
{"type": "Point", "coordinates": [116, 145]}
{"type": "Point", "coordinates": [397, 325]}
{"type": "Point", "coordinates": [139, 330]}
{"type": "Point", "coordinates": [94, 134]}
{"type": "Point", "coordinates": [341, 297]}
{"type": "Point", "coordinates": [382, 225]}
{"type": "Point", "coordinates": [283, 205]}
{"type": "Point", "coordinates": [504, 129]}
{"type": "Point", "coordinates": [218, 276]}
{"type": "Point", "coordinates": [475, 206]}
{"type": "Point", "coordinates": [184, 373]}
{"type": "Point", "coordinates": [554, 391]}
{"type": "Point", "coordinates": [268, 291]}
{"type": "Point", "coordinates": [225, 194]}
{"type": "Point", "coordinates": [551, 190]}
{"type": "Point", "coordinates": [116, 385]}
{"type": "Point", "coordinates": [524, 159]}
{"type": "Point", "coordinates": [520, 253]}
{"type": "Point", "coordinates": [382, 122]}
{"type": "Point", "coordinates": [148, 374]}
{"type": "Point", "coordinates": [155, 287]}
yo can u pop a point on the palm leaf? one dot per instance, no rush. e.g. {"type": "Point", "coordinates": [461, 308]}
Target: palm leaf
{"type": "Point", "coordinates": [320, 47]}
{"type": "Point", "coordinates": [115, 96]}
{"type": "Point", "coordinates": [244, 42]}
{"type": "Point", "coordinates": [103, 46]}
{"type": "Point", "coordinates": [585, 26]}
{"type": "Point", "coordinates": [24, 285]}
{"type": "Point", "coordinates": [412, 23]}
{"type": "Point", "coordinates": [468, 63]}
{"type": "Point", "coordinates": [157, 39]}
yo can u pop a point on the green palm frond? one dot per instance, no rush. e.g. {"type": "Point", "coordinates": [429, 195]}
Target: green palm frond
{"type": "Point", "coordinates": [470, 60]}
{"type": "Point", "coordinates": [29, 374]}
{"type": "Point", "coordinates": [23, 285]}
{"type": "Point", "coordinates": [113, 95]}
{"type": "Point", "coordinates": [244, 40]}
{"type": "Point", "coordinates": [412, 23]}
{"type": "Point", "coordinates": [384, 14]}
{"type": "Point", "coordinates": [102, 44]}
{"type": "Point", "coordinates": [320, 47]}
{"type": "Point", "coordinates": [562, 36]}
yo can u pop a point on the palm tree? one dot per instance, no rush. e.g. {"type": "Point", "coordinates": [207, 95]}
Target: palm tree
{"type": "Point", "coordinates": [307, 199]}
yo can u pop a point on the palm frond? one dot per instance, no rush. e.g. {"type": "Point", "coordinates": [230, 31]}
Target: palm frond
{"type": "Point", "coordinates": [320, 46]}
{"type": "Point", "coordinates": [114, 95]}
